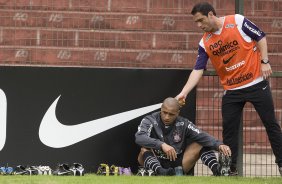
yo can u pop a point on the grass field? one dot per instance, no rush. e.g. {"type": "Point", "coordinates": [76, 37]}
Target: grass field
{"type": "Point", "coordinates": [91, 178]}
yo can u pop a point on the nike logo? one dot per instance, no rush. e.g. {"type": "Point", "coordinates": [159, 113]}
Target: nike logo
{"type": "Point", "coordinates": [264, 88]}
{"type": "Point", "coordinates": [54, 134]}
{"type": "Point", "coordinates": [3, 118]}
{"type": "Point", "coordinates": [227, 61]}
{"type": "Point", "coordinates": [66, 172]}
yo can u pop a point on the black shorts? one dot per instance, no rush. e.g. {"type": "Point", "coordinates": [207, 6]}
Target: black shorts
{"type": "Point", "coordinates": [166, 163]}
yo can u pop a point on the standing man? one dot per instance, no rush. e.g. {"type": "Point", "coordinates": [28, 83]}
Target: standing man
{"type": "Point", "coordinates": [237, 49]}
{"type": "Point", "coordinates": [168, 141]}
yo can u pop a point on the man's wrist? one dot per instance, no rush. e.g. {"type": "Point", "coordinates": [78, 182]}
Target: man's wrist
{"type": "Point", "coordinates": [264, 61]}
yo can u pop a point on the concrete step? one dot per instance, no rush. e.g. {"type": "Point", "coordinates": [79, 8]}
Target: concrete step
{"type": "Point", "coordinates": [108, 57]}
{"type": "Point", "coordinates": [98, 20]}
{"type": "Point", "coordinates": [62, 5]}
{"type": "Point", "coordinates": [251, 7]}
{"type": "Point", "coordinates": [99, 39]}
{"type": "Point", "coordinates": [111, 39]}
{"type": "Point", "coordinates": [133, 6]}
{"type": "Point", "coordinates": [100, 57]}
{"type": "Point", "coordinates": [118, 21]}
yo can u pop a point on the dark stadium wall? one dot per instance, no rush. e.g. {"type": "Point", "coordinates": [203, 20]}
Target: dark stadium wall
{"type": "Point", "coordinates": [78, 97]}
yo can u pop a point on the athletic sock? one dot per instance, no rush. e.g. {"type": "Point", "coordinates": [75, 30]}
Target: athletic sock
{"type": "Point", "coordinates": [151, 162]}
{"type": "Point", "coordinates": [208, 158]}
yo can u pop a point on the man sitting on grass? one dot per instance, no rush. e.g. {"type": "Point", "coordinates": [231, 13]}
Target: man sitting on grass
{"type": "Point", "coordinates": [168, 140]}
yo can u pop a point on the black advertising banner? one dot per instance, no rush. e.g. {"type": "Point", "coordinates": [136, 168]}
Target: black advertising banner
{"type": "Point", "coordinates": [85, 115]}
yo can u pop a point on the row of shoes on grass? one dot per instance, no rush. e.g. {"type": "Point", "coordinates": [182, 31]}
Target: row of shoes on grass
{"type": "Point", "coordinates": [76, 169]}
{"type": "Point", "coordinates": [106, 170]}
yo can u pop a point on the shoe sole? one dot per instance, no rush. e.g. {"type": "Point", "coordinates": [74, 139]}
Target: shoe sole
{"type": "Point", "coordinates": [225, 162]}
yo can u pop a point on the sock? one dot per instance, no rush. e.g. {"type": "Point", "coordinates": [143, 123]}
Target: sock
{"type": "Point", "coordinates": [151, 162]}
{"type": "Point", "coordinates": [208, 158]}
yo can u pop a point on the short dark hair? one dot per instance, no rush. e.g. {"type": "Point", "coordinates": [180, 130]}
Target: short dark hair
{"type": "Point", "coordinates": [204, 8]}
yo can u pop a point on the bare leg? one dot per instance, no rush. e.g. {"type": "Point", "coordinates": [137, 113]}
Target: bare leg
{"type": "Point", "coordinates": [147, 159]}
{"type": "Point", "coordinates": [191, 156]}
{"type": "Point", "coordinates": [140, 156]}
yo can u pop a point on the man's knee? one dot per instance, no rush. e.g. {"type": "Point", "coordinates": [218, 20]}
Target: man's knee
{"type": "Point", "coordinates": [191, 155]}
{"type": "Point", "coordinates": [193, 150]}
{"type": "Point", "coordinates": [140, 155]}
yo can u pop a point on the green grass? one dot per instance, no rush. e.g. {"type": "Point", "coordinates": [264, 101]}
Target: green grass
{"type": "Point", "coordinates": [91, 178]}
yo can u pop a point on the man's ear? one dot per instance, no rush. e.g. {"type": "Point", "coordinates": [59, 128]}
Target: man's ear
{"type": "Point", "coordinates": [210, 14]}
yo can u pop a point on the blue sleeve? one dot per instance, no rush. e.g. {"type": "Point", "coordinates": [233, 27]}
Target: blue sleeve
{"type": "Point", "coordinates": [250, 29]}
{"type": "Point", "coordinates": [202, 59]}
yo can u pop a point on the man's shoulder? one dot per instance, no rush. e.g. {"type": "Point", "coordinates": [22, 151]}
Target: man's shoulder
{"type": "Point", "coordinates": [182, 120]}
{"type": "Point", "coordinates": [152, 117]}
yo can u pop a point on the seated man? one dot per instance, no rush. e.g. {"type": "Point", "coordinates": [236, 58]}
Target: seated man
{"type": "Point", "coordinates": [169, 140]}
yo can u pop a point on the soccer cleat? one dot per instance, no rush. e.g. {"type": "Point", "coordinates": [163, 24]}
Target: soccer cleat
{"type": "Point", "coordinates": [114, 170]}
{"type": "Point", "coordinates": [21, 170]}
{"type": "Point", "coordinates": [44, 170]}
{"type": "Point", "coordinates": [9, 170]}
{"type": "Point", "coordinates": [2, 170]}
{"type": "Point", "coordinates": [63, 170]}
{"type": "Point", "coordinates": [141, 171]}
{"type": "Point", "coordinates": [150, 172]}
{"type": "Point", "coordinates": [224, 164]}
{"type": "Point", "coordinates": [77, 169]}
{"type": "Point", "coordinates": [125, 171]}
{"type": "Point", "coordinates": [233, 171]}
{"type": "Point", "coordinates": [166, 172]}
{"type": "Point", "coordinates": [103, 169]}
{"type": "Point", "coordinates": [32, 170]}
{"type": "Point", "coordinates": [6, 170]}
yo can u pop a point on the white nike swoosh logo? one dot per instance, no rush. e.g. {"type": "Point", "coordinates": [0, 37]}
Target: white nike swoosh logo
{"type": "Point", "coordinates": [3, 118]}
{"type": "Point", "coordinates": [54, 134]}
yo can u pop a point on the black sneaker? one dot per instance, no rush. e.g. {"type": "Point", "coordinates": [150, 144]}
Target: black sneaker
{"type": "Point", "coordinates": [62, 170]}
{"type": "Point", "coordinates": [32, 170]}
{"type": "Point", "coordinates": [216, 171]}
{"type": "Point", "coordinates": [233, 171]}
{"type": "Point", "coordinates": [21, 170]}
{"type": "Point", "coordinates": [166, 172]}
{"type": "Point", "coordinates": [224, 164]}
